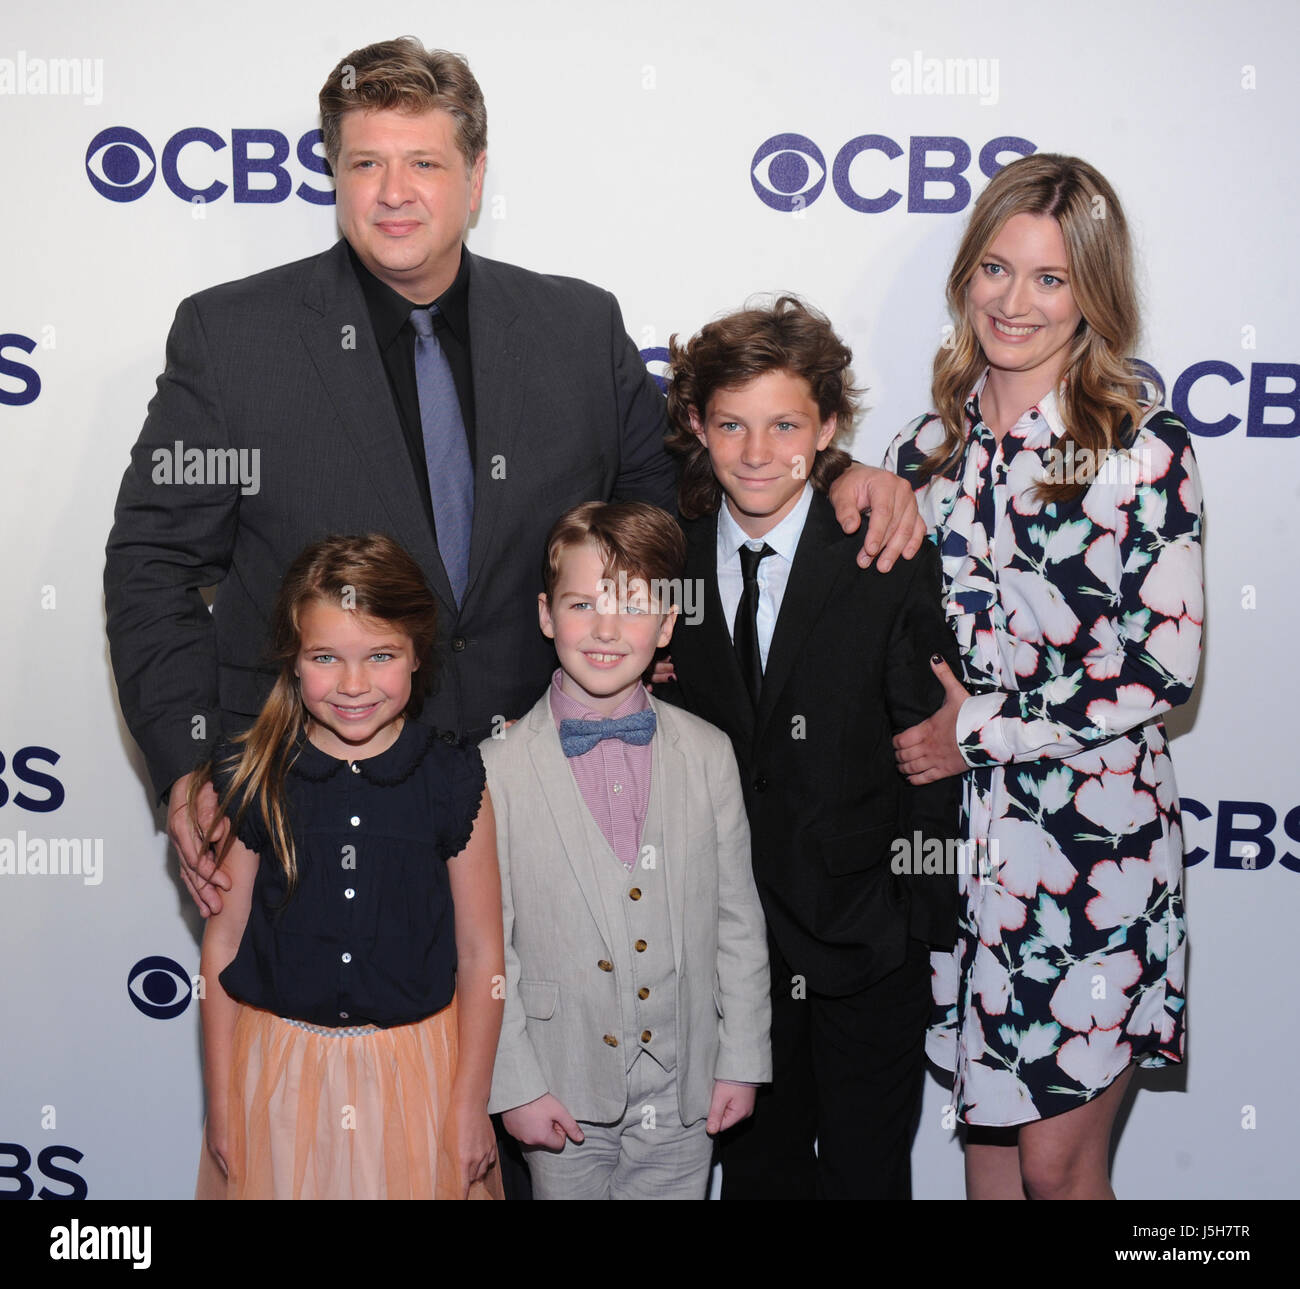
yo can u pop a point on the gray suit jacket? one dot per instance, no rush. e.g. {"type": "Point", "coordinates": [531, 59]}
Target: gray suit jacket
{"type": "Point", "coordinates": [285, 364]}
{"type": "Point", "coordinates": [559, 1004]}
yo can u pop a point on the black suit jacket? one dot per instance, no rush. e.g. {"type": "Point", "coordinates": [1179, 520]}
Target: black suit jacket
{"type": "Point", "coordinates": [847, 669]}
{"type": "Point", "coordinates": [285, 363]}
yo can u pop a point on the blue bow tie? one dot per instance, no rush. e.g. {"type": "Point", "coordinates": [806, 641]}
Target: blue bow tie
{"type": "Point", "coordinates": [577, 737]}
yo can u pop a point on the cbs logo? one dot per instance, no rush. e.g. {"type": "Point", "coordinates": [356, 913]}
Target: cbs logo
{"type": "Point", "coordinates": [789, 171]}
{"type": "Point", "coordinates": [159, 987]}
{"type": "Point", "coordinates": [28, 378]}
{"type": "Point", "coordinates": [121, 165]}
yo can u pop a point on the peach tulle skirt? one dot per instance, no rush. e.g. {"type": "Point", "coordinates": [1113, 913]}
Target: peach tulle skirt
{"type": "Point", "coordinates": [361, 1115]}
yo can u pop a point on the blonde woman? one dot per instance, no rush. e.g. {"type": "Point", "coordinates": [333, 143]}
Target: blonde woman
{"type": "Point", "coordinates": [1066, 506]}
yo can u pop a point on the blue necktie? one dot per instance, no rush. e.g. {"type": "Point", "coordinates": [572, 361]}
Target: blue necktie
{"type": "Point", "coordinates": [577, 737]}
{"type": "Point", "coordinates": [446, 451]}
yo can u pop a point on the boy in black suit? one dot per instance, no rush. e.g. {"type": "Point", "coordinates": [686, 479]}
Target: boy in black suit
{"type": "Point", "coordinates": [811, 665]}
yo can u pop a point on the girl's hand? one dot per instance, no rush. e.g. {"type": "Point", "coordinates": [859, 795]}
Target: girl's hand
{"type": "Point", "coordinates": [217, 1137]}
{"type": "Point", "coordinates": [473, 1145]}
{"type": "Point", "coordinates": [929, 751]}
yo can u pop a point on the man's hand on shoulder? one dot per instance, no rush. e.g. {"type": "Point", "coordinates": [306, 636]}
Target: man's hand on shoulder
{"type": "Point", "coordinates": [894, 528]}
{"type": "Point", "coordinates": [199, 871]}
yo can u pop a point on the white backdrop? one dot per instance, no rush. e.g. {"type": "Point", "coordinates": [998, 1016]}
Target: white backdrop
{"type": "Point", "coordinates": [621, 144]}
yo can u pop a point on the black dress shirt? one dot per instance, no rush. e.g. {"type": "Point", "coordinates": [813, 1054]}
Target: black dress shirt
{"type": "Point", "coordinates": [368, 935]}
{"type": "Point", "coordinates": [390, 319]}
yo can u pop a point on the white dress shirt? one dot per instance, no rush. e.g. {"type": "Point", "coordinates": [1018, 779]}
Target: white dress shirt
{"type": "Point", "coordinates": [773, 572]}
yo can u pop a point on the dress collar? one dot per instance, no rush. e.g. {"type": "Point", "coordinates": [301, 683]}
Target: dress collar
{"type": "Point", "coordinates": [1037, 428]}
{"type": "Point", "coordinates": [393, 765]}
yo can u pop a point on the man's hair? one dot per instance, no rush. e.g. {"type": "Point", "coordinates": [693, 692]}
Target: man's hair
{"type": "Point", "coordinates": [785, 335]}
{"type": "Point", "coordinates": [635, 538]}
{"type": "Point", "coordinates": [401, 75]}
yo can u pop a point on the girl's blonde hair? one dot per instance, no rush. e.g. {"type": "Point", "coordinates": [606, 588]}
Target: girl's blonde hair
{"type": "Point", "coordinates": [1103, 395]}
{"type": "Point", "coordinates": [371, 575]}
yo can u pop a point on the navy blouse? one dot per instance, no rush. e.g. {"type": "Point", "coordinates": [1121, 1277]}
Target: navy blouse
{"type": "Point", "coordinates": [368, 936]}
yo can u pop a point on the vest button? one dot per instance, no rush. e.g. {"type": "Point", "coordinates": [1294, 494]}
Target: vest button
{"type": "Point", "coordinates": [605, 965]}
{"type": "Point", "coordinates": [448, 736]}
{"type": "Point", "coordinates": [760, 784]}
{"type": "Point", "coordinates": [634, 893]}
{"type": "Point", "coordinates": [643, 993]}
{"type": "Point", "coordinates": [640, 946]}
{"type": "Point", "coordinates": [610, 1040]}
{"type": "Point", "coordinates": [646, 1035]}
{"type": "Point", "coordinates": [458, 643]}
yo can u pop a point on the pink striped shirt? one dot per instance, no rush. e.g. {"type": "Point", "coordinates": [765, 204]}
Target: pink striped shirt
{"type": "Point", "coordinates": [614, 777]}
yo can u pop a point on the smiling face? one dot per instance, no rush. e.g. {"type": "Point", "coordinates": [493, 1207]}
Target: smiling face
{"type": "Point", "coordinates": [404, 196]}
{"type": "Point", "coordinates": [604, 641]}
{"type": "Point", "coordinates": [354, 674]}
{"type": "Point", "coordinates": [1020, 303]}
{"type": "Point", "coordinates": [762, 439]}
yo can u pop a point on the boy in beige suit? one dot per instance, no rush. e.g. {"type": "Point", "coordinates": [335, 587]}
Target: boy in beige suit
{"type": "Point", "coordinates": [637, 1010]}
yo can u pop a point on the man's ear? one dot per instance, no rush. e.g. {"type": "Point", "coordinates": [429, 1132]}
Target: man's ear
{"type": "Point", "coordinates": [827, 432]}
{"type": "Point", "coordinates": [697, 426]}
{"type": "Point", "coordinates": [544, 616]}
{"type": "Point", "coordinates": [476, 182]}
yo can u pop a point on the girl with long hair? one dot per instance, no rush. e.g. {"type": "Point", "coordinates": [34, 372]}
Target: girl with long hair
{"type": "Point", "coordinates": [1066, 506]}
{"type": "Point", "coordinates": [350, 1017]}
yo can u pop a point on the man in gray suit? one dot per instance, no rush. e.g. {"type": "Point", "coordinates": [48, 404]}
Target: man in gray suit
{"type": "Point", "coordinates": [397, 383]}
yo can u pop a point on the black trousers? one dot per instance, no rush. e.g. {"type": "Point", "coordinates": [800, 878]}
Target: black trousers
{"type": "Point", "coordinates": [848, 1074]}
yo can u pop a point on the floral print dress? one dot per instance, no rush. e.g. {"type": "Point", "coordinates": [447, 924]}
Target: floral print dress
{"type": "Point", "coordinates": [1078, 624]}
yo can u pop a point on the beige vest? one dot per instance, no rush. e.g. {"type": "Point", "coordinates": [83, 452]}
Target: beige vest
{"type": "Point", "coordinates": [636, 912]}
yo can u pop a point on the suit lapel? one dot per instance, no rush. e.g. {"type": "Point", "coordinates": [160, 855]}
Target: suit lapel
{"type": "Point", "coordinates": [812, 579]}
{"type": "Point", "coordinates": [669, 770]}
{"type": "Point", "coordinates": [563, 799]}
{"type": "Point", "coordinates": [717, 657]}
{"type": "Point", "coordinates": [499, 353]}
{"type": "Point", "coordinates": [334, 310]}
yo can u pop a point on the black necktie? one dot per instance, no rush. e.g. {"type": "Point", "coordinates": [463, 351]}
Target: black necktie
{"type": "Point", "coordinates": [745, 635]}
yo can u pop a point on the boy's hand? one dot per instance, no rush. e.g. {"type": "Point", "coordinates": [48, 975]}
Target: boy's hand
{"type": "Point", "coordinates": [544, 1123]}
{"type": "Point", "coordinates": [198, 865]}
{"type": "Point", "coordinates": [731, 1103]}
{"type": "Point", "coordinates": [930, 750]}
{"type": "Point", "coordinates": [894, 528]}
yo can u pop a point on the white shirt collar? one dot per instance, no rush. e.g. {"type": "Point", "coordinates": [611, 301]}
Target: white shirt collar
{"type": "Point", "coordinates": [783, 538]}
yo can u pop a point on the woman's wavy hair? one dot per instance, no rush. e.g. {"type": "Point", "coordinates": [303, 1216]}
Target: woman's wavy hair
{"type": "Point", "coordinates": [371, 575]}
{"type": "Point", "coordinates": [785, 335]}
{"type": "Point", "coordinates": [1103, 396]}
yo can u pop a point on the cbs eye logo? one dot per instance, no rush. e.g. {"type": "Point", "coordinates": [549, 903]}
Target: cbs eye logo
{"type": "Point", "coordinates": [656, 363]}
{"type": "Point", "coordinates": [114, 161]}
{"type": "Point", "coordinates": [159, 987]}
{"type": "Point", "coordinates": [782, 172]}
{"type": "Point", "coordinates": [789, 171]}
{"type": "Point", "coordinates": [122, 166]}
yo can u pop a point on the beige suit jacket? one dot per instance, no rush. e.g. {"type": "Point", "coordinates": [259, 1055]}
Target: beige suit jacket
{"type": "Point", "coordinates": [559, 1003]}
